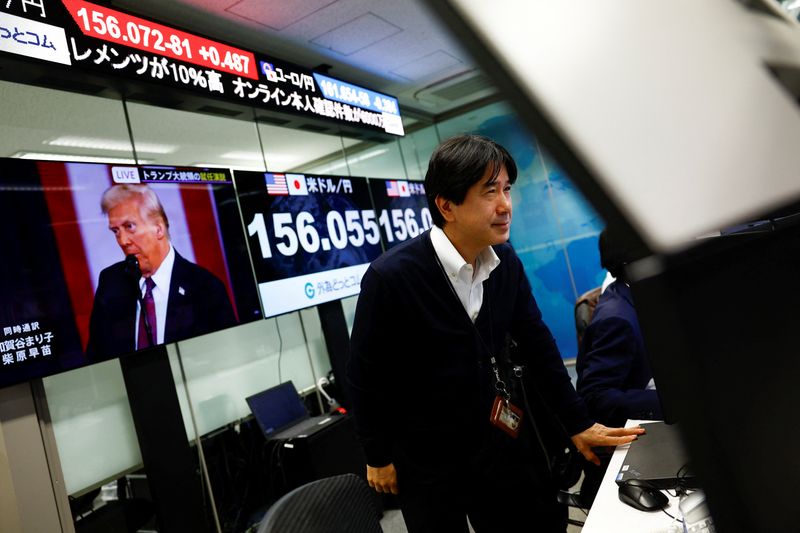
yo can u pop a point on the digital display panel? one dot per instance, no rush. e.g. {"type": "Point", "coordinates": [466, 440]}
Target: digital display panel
{"type": "Point", "coordinates": [99, 38]}
{"type": "Point", "coordinates": [69, 297]}
{"type": "Point", "coordinates": [401, 208]}
{"type": "Point", "coordinates": [311, 237]}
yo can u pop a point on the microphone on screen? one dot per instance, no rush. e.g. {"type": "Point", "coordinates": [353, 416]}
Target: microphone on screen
{"type": "Point", "coordinates": [132, 267]}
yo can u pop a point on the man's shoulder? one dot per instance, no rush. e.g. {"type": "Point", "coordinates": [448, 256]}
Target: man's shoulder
{"type": "Point", "coordinates": [183, 264]}
{"type": "Point", "coordinates": [119, 266]}
{"type": "Point", "coordinates": [615, 312]}
{"type": "Point", "coordinates": [614, 300]}
{"type": "Point", "coordinates": [185, 269]}
{"type": "Point", "coordinates": [505, 252]}
{"type": "Point", "coordinates": [113, 272]}
{"type": "Point", "coordinates": [510, 268]}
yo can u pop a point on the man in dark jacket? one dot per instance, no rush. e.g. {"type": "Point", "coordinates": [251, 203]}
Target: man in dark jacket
{"type": "Point", "coordinates": [614, 377]}
{"type": "Point", "coordinates": [432, 322]}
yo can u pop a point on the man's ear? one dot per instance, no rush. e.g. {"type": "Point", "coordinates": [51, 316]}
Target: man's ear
{"type": "Point", "coordinates": [160, 231]}
{"type": "Point", "coordinates": [445, 208]}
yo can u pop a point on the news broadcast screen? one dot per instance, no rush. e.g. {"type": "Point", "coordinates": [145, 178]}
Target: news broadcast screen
{"type": "Point", "coordinates": [84, 241]}
{"type": "Point", "coordinates": [401, 208]}
{"type": "Point", "coordinates": [311, 237]}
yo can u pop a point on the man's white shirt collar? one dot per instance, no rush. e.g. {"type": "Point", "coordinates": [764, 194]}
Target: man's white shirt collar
{"type": "Point", "coordinates": [163, 274]}
{"type": "Point", "coordinates": [162, 278]}
{"type": "Point", "coordinates": [452, 260]}
{"type": "Point", "coordinates": [468, 285]}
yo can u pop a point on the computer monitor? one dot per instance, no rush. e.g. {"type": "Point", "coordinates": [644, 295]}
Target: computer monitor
{"type": "Point", "coordinates": [282, 415]}
{"type": "Point", "coordinates": [277, 408]}
{"type": "Point", "coordinates": [658, 457]}
{"type": "Point", "coordinates": [720, 325]}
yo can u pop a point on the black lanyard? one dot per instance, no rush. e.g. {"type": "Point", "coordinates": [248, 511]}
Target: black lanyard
{"type": "Point", "coordinates": [499, 384]}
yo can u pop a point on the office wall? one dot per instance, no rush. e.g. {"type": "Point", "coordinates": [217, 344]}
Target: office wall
{"type": "Point", "coordinates": [554, 231]}
{"type": "Point", "coordinates": [416, 149]}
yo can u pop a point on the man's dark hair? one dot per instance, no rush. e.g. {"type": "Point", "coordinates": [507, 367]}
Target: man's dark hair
{"type": "Point", "coordinates": [617, 249]}
{"type": "Point", "coordinates": [460, 162]}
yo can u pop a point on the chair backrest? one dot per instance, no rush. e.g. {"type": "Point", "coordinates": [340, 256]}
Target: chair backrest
{"type": "Point", "coordinates": [338, 504]}
{"type": "Point", "coordinates": [584, 309]}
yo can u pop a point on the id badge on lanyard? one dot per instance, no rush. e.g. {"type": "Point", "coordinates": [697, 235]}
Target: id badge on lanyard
{"type": "Point", "coordinates": [505, 415]}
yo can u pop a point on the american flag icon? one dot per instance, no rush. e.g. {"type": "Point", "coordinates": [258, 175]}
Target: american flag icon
{"type": "Point", "coordinates": [276, 184]}
{"type": "Point", "coordinates": [391, 189]}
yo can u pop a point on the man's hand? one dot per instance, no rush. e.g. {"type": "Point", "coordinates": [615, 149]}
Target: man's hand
{"type": "Point", "coordinates": [600, 435]}
{"type": "Point", "coordinates": [382, 478]}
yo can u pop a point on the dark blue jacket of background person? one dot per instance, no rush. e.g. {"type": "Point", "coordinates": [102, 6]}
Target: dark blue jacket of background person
{"type": "Point", "coordinates": [612, 364]}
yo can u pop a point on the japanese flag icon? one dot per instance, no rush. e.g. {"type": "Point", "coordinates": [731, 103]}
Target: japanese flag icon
{"type": "Point", "coordinates": [297, 184]}
{"type": "Point", "coordinates": [403, 188]}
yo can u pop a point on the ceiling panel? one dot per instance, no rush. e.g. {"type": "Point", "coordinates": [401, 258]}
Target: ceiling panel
{"type": "Point", "coordinates": [277, 14]}
{"type": "Point", "coordinates": [357, 34]}
{"type": "Point", "coordinates": [425, 67]}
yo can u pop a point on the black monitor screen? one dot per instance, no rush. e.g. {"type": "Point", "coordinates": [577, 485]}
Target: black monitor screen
{"type": "Point", "coordinates": [401, 208]}
{"type": "Point", "coordinates": [277, 407]}
{"type": "Point", "coordinates": [70, 298]}
{"type": "Point", "coordinates": [311, 237]}
{"type": "Point", "coordinates": [720, 325]}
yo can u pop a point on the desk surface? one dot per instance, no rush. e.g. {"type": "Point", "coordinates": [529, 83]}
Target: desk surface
{"type": "Point", "coordinates": [609, 515]}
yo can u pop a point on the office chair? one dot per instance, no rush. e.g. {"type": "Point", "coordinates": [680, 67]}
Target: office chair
{"type": "Point", "coordinates": [584, 309]}
{"type": "Point", "coordinates": [337, 504]}
{"type": "Point", "coordinates": [572, 499]}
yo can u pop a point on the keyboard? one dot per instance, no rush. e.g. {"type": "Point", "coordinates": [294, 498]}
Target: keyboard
{"type": "Point", "coordinates": [302, 428]}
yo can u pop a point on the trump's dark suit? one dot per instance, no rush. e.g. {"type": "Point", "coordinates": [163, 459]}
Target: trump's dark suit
{"type": "Point", "coordinates": [198, 303]}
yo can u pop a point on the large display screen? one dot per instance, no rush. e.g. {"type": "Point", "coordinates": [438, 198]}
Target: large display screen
{"type": "Point", "coordinates": [69, 297]}
{"type": "Point", "coordinates": [311, 237]}
{"type": "Point", "coordinates": [401, 208]}
{"type": "Point", "coordinates": [104, 260]}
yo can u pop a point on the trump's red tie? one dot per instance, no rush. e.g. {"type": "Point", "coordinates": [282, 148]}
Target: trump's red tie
{"type": "Point", "coordinates": [147, 312]}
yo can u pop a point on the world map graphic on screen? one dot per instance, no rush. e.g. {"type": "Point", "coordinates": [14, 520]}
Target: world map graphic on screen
{"type": "Point", "coordinates": [554, 230]}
